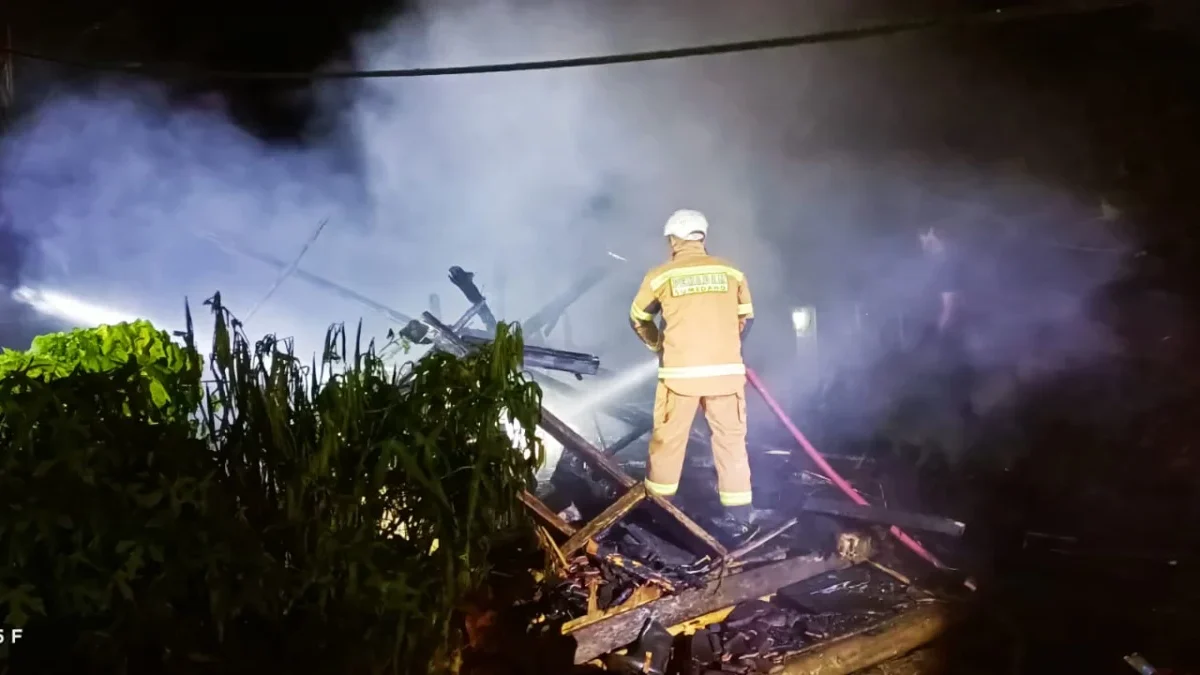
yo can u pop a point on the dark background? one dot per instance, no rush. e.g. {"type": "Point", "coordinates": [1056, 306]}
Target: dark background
{"type": "Point", "coordinates": [224, 35]}
{"type": "Point", "coordinates": [1123, 77]}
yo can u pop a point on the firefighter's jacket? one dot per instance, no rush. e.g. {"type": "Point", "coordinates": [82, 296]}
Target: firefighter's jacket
{"type": "Point", "coordinates": [705, 306]}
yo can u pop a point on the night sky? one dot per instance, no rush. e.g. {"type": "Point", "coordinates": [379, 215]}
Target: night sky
{"type": "Point", "coordinates": [223, 35]}
{"type": "Point", "coordinates": [1125, 83]}
{"type": "Point", "coordinates": [1120, 76]}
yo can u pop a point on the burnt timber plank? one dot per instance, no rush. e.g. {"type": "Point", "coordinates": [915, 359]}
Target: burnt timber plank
{"type": "Point", "coordinates": [923, 661]}
{"type": "Point", "coordinates": [874, 514]}
{"type": "Point", "coordinates": [465, 281]}
{"type": "Point", "coordinates": [618, 510]}
{"type": "Point", "coordinates": [547, 516]}
{"type": "Point", "coordinates": [595, 639]}
{"type": "Point", "coordinates": [628, 439]}
{"type": "Point", "coordinates": [573, 442]}
{"type": "Point", "coordinates": [876, 644]}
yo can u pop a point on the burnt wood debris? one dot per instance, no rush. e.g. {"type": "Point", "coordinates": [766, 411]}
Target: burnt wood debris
{"type": "Point", "coordinates": [642, 587]}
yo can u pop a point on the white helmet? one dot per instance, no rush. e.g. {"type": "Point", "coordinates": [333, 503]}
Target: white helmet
{"type": "Point", "coordinates": [686, 224]}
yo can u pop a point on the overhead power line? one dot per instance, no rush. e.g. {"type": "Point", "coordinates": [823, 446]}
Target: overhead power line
{"type": "Point", "coordinates": [970, 19]}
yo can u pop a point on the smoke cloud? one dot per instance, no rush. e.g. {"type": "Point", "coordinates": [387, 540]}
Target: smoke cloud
{"type": "Point", "coordinates": [816, 166]}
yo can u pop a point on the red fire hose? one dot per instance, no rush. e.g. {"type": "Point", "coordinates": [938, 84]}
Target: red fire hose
{"type": "Point", "coordinates": [832, 475]}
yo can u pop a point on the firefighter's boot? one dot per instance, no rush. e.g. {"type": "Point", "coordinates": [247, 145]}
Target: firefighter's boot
{"type": "Point", "coordinates": [734, 526]}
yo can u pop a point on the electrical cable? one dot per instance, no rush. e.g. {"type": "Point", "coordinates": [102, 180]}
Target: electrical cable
{"type": "Point", "coordinates": [969, 19]}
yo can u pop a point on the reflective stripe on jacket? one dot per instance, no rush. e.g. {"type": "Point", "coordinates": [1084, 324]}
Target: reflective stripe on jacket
{"type": "Point", "coordinates": [705, 303]}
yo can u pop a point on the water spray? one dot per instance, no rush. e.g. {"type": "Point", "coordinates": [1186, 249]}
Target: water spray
{"type": "Point", "coordinates": [575, 411]}
{"type": "Point", "coordinates": [611, 388]}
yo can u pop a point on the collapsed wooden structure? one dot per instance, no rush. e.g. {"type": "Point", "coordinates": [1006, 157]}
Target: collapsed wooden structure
{"type": "Point", "coordinates": [600, 633]}
{"type": "Point", "coordinates": [603, 632]}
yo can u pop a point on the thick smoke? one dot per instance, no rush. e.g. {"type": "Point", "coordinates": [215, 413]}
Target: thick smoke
{"type": "Point", "coordinates": [816, 166]}
{"type": "Point", "coordinates": [14, 249]}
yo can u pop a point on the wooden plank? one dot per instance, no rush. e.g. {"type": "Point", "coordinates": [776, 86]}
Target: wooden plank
{"type": "Point", "coordinates": [548, 517]}
{"type": "Point", "coordinates": [616, 511]}
{"type": "Point", "coordinates": [573, 442]}
{"type": "Point", "coordinates": [875, 514]}
{"type": "Point", "coordinates": [558, 562]}
{"type": "Point", "coordinates": [924, 661]}
{"type": "Point", "coordinates": [443, 336]}
{"type": "Point", "coordinates": [628, 439]}
{"type": "Point", "coordinates": [601, 637]}
{"type": "Point", "coordinates": [690, 626]}
{"type": "Point", "coordinates": [465, 281]}
{"type": "Point", "coordinates": [874, 645]}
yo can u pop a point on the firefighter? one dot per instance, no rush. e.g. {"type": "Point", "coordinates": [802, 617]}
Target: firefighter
{"type": "Point", "coordinates": [945, 280]}
{"type": "Point", "coordinates": [945, 322]}
{"type": "Point", "coordinates": [706, 311]}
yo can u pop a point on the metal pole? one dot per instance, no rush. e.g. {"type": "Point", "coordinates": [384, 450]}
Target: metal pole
{"type": "Point", "coordinates": [7, 89]}
{"type": "Point", "coordinates": [818, 372]}
{"type": "Point", "coordinates": [501, 291]}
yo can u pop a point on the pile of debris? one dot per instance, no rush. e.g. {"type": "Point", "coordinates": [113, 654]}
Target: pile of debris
{"type": "Point", "coordinates": [763, 635]}
{"type": "Point", "coordinates": [639, 602]}
{"type": "Point", "coordinates": [605, 580]}
{"type": "Point", "coordinates": [657, 614]}
{"type": "Point", "coordinates": [660, 594]}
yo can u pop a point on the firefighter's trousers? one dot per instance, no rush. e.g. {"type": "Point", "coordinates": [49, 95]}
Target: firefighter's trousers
{"type": "Point", "coordinates": [673, 416]}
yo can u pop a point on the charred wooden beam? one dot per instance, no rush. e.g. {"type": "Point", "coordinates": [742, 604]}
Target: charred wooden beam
{"type": "Point", "coordinates": [618, 510]}
{"type": "Point", "coordinates": [547, 517]}
{"type": "Point", "coordinates": [443, 336]}
{"type": "Point", "coordinates": [573, 442]}
{"type": "Point", "coordinates": [605, 634]}
{"type": "Point", "coordinates": [626, 440]}
{"type": "Point", "coordinates": [759, 542]}
{"type": "Point", "coordinates": [536, 356]}
{"type": "Point", "coordinates": [432, 329]}
{"type": "Point", "coordinates": [923, 661]}
{"type": "Point", "coordinates": [882, 516]}
{"type": "Point", "coordinates": [471, 313]}
{"type": "Point", "coordinates": [465, 281]}
{"type": "Point", "coordinates": [873, 645]}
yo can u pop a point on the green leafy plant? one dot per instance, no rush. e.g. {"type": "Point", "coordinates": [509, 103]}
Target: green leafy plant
{"type": "Point", "coordinates": [327, 517]}
{"type": "Point", "coordinates": [170, 370]}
